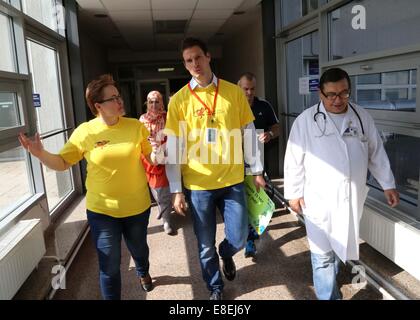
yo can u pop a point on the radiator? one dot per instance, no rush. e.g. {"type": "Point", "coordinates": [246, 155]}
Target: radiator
{"type": "Point", "coordinates": [21, 249]}
{"type": "Point", "coordinates": [395, 239]}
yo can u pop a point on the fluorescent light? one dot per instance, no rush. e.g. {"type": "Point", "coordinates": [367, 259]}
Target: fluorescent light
{"type": "Point", "coordinates": [166, 69]}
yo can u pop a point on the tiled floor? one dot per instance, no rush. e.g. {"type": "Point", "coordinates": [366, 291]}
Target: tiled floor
{"type": "Point", "coordinates": [281, 271]}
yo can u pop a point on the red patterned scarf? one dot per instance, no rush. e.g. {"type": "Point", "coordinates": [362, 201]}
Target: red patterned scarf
{"type": "Point", "coordinates": [154, 122]}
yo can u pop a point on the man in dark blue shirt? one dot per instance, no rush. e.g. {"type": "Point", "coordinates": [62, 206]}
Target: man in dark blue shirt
{"type": "Point", "coordinates": [265, 119]}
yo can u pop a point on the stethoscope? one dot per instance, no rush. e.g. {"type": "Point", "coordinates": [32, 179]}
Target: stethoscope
{"type": "Point", "coordinates": [324, 116]}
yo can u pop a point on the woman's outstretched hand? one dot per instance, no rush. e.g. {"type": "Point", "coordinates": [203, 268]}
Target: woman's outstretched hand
{"type": "Point", "coordinates": [34, 146]}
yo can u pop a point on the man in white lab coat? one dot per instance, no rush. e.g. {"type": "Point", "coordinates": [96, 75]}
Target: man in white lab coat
{"type": "Point", "coordinates": [330, 149]}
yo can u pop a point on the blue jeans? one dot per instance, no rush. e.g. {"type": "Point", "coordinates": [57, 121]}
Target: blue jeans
{"type": "Point", "coordinates": [106, 233]}
{"type": "Point", "coordinates": [325, 268]}
{"type": "Point", "coordinates": [232, 205]}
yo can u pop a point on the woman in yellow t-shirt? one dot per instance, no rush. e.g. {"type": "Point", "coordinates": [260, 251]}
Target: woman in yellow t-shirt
{"type": "Point", "coordinates": [117, 199]}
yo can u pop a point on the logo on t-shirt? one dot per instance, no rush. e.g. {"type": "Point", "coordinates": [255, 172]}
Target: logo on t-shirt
{"type": "Point", "coordinates": [102, 143]}
{"type": "Point", "coordinates": [200, 112]}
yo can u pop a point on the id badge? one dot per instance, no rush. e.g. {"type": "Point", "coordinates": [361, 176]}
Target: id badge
{"type": "Point", "coordinates": [211, 135]}
{"type": "Point", "coordinates": [351, 132]}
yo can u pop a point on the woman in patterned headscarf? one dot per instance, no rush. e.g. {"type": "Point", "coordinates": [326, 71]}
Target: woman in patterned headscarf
{"type": "Point", "coordinates": [154, 120]}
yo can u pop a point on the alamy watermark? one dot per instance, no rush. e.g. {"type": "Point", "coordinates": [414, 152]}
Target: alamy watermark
{"type": "Point", "coordinates": [359, 20]}
{"type": "Point", "coordinates": [59, 280]}
{"type": "Point", "coordinates": [213, 146]}
{"type": "Point", "coordinates": [359, 280]}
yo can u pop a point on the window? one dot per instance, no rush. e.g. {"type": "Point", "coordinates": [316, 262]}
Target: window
{"type": "Point", "coordinates": [15, 3]}
{"type": "Point", "coordinates": [405, 164]}
{"type": "Point", "coordinates": [7, 45]}
{"type": "Point", "coordinates": [58, 184]}
{"type": "Point", "coordinates": [301, 62]}
{"type": "Point", "coordinates": [9, 110]}
{"type": "Point", "coordinates": [294, 10]}
{"type": "Point", "coordinates": [386, 91]}
{"type": "Point", "coordinates": [384, 27]}
{"type": "Point", "coordinates": [48, 12]}
{"type": "Point", "coordinates": [15, 183]}
{"type": "Point", "coordinates": [43, 63]}
{"type": "Point", "coordinates": [44, 66]}
{"type": "Point", "coordinates": [22, 180]}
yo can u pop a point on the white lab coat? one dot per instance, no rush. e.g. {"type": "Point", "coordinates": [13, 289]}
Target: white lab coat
{"type": "Point", "coordinates": [329, 171]}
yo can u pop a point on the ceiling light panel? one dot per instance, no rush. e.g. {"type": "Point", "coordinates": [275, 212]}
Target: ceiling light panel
{"type": "Point", "coordinates": [170, 26]}
{"type": "Point", "coordinates": [218, 4]}
{"type": "Point", "coordinates": [212, 14]}
{"type": "Point", "coordinates": [131, 15]}
{"type": "Point", "coordinates": [172, 14]}
{"type": "Point", "coordinates": [126, 4]}
{"type": "Point", "coordinates": [206, 24]}
{"type": "Point", "coordinates": [141, 24]}
{"type": "Point", "coordinates": [173, 4]}
{"type": "Point", "coordinates": [200, 35]}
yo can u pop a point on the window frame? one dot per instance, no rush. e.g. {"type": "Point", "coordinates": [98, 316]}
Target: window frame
{"type": "Point", "coordinates": [390, 63]}
{"type": "Point", "coordinates": [24, 25]}
{"type": "Point", "coordinates": [52, 46]}
{"type": "Point", "coordinates": [11, 27]}
{"type": "Point", "coordinates": [59, 27]}
{"type": "Point", "coordinates": [56, 42]}
{"type": "Point", "coordinates": [38, 192]}
{"type": "Point", "coordinates": [329, 6]}
{"type": "Point", "coordinates": [310, 26]}
{"type": "Point", "coordinates": [402, 58]}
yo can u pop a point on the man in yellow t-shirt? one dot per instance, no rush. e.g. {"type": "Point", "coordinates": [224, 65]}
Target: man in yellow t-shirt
{"type": "Point", "coordinates": [117, 199]}
{"type": "Point", "coordinates": [206, 122]}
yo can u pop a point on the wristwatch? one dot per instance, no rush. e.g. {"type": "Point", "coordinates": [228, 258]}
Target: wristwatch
{"type": "Point", "coordinates": [271, 133]}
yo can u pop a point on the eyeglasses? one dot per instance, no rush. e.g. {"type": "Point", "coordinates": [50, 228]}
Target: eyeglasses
{"type": "Point", "coordinates": [332, 95]}
{"type": "Point", "coordinates": [118, 99]}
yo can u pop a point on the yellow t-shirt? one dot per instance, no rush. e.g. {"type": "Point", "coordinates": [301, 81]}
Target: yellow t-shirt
{"type": "Point", "coordinates": [214, 153]}
{"type": "Point", "coordinates": [116, 182]}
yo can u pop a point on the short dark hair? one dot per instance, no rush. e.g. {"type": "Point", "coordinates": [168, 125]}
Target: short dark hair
{"type": "Point", "coordinates": [334, 75]}
{"type": "Point", "coordinates": [192, 42]}
{"type": "Point", "coordinates": [248, 75]}
{"type": "Point", "coordinates": [94, 91]}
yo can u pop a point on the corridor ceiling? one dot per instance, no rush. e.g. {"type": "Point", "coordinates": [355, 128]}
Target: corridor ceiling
{"type": "Point", "coordinates": [153, 25]}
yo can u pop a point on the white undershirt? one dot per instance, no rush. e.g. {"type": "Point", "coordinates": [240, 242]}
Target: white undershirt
{"type": "Point", "coordinates": [338, 119]}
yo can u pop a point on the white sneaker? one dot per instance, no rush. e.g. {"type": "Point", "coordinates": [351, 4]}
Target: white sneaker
{"type": "Point", "coordinates": [167, 227]}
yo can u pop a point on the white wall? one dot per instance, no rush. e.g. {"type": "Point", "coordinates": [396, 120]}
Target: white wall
{"type": "Point", "coordinates": [244, 52]}
{"type": "Point", "coordinates": [93, 56]}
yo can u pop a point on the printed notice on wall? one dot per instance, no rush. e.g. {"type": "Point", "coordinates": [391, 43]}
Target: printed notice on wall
{"type": "Point", "coordinates": [313, 84]}
{"type": "Point", "coordinates": [36, 97]}
{"type": "Point", "coordinates": [304, 85]}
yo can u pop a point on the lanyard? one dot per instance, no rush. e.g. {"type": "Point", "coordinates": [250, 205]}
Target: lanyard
{"type": "Point", "coordinates": [210, 112]}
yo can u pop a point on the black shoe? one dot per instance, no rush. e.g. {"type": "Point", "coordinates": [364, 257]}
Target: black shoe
{"type": "Point", "coordinates": [146, 283]}
{"type": "Point", "coordinates": [216, 295]}
{"type": "Point", "coordinates": [229, 268]}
